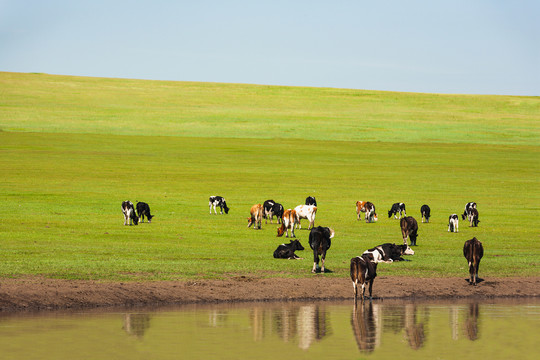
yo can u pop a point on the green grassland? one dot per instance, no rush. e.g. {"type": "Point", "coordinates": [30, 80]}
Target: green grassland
{"type": "Point", "coordinates": [73, 148]}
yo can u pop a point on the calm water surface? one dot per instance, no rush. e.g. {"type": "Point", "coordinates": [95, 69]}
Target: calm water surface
{"type": "Point", "coordinates": [325, 330]}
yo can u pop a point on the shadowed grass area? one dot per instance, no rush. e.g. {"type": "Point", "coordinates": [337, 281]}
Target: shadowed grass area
{"type": "Point", "coordinates": [73, 149]}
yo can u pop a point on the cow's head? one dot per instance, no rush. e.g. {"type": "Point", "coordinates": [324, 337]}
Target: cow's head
{"type": "Point", "coordinates": [375, 218]}
{"type": "Point", "coordinates": [296, 245]}
{"type": "Point", "coordinates": [406, 250]}
{"type": "Point", "coordinates": [390, 212]}
{"type": "Point", "coordinates": [225, 207]}
{"type": "Point", "coordinates": [135, 219]}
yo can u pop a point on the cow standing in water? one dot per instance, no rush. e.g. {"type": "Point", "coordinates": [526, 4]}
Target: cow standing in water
{"type": "Point", "coordinates": [363, 272]}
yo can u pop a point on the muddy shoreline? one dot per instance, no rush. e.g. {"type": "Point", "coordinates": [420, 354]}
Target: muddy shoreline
{"type": "Point", "coordinates": [34, 294]}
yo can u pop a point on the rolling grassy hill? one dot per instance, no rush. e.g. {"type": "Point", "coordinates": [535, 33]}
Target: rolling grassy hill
{"type": "Point", "coordinates": [73, 148]}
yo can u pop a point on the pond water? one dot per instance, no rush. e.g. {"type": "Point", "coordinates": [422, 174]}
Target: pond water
{"type": "Point", "coordinates": [326, 330]}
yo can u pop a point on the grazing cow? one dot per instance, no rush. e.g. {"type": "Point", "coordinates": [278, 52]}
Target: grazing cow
{"type": "Point", "coordinates": [363, 271]}
{"type": "Point", "coordinates": [310, 200]}
{"type": "Point", "coordinates": [397, 208]}
{"type": "Point", "coordinates": [473, 217]}
{"type": "Point", "coordinates": [468, 207]}
{"type": "Point", "coordinates": [319, 241]}
{"type": "Point", "coordinates": [409, 228]}
{"type": "Point", "coordinates": [218, 201]}
{"type": "Point", "coordinates": [305, 212]}
{"type": "Point", "coordinates": [371, 215]}
{"type": "Point", "coordinates": [389, 252]}
{"type": "Point", "coordinates": [143, 209]}
{"type": "Point", "coordinates": [473, 252]}
{"type": "Point", "coordinates": [360, 208]}
{"type": "Point", "coordinates": [256, 213]}
{"type": "Point", "coordinates": [426, 213]}
{"type": "Point", "coordinates": [286, 251]}
{"type": "Point", "coordinates": [288, 220]}
{"type": "Point", "coordinates": [453, 223]}
{"type": "Point", "coordinates": [129, 213]}
{"type": "Point", "coordinates": [272, 208]}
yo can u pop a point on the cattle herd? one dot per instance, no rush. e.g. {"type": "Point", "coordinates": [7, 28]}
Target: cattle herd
{"type": "Point", "coordinates": [363, 269]}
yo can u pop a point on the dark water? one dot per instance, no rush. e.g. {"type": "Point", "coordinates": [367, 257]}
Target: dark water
{"type": "Point", "coordinates": [325, 330]}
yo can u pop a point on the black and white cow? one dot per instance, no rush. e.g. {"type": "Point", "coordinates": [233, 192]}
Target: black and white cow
{"type": "Point", "coordinates": [473, 252]}
{"type": "Point", "coordinates": [319, 241]}
{"type": "Point", "coordinates": [473, 217]}
{"type": "Point", "coordinates": [363, 272]}
{"type": "Point", "coordinates": [310, 200]}
{"type": "Point", "coordinates": [453, 223]}
{"type": "Point", "coordinates": [397, 208]}
{"type": "Point", "coordinates": [371, 215]}
{"type": "Point", "coordinates": [271, 209]}
{"type": "Point", "coordinates": [468, 207]}
{"type": "Point", "coordinates": [389, 252]}
{"type": "Point", "coordinates": [426, 212]}
{"type": "Point", "coordinates": [286, 251]}
{"type": "Point", "coordinates": [409, 228]}
{"type": "Point", "coordinates": [143, 209]}
{"type": "Point", "coordinates": [129, 213]}
{"type": "Point", "coordinates": [215, 201]}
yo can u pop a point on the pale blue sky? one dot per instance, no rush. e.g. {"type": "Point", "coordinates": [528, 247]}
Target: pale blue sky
{"type": "Point", "coordinates": [465, 47]}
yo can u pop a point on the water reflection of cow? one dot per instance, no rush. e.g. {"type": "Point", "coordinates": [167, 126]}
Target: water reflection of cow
{"type": "Point", "coordinates": [471, 322]}
{"type": "Point", "coordinates": [365, 321]}
{"type": "Point", "coordinates": [136, 324]}
{"type": "Point", "coordinates": [307, 323]}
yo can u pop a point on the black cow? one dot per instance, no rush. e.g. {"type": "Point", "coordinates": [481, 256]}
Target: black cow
{"type": "Point", "coordinates": [389, 252]}
{"type": "Point", "coordinates": [473, 252]}
{"type": "Point", "coordinates": [473, 217]}
{"type": "Point", "coordinates": [409, 228]}
{"type": "Point", "coordinates": [143, 209]}
{"type": "Point", "coordinates": [214, 201]}
{"type": "Point", "coordinates": [310, 200]}
{"type": "Point", "coordinates": [129, 213]}
{"type": "Point", "coordinates": [371, 215]}
{"type": "Point", "coordinates": [468, 207]}
{"type": "Point", "coordinates": [426, 213]}
{"type": "Point", "coordinates": [286, 251]}
{"type": "Point", "coordinates": [453, 223]}
{"type": "Point", "coordinates": [271, 208]}
{"type": "Point", "coordinates": [363, 271]}
{"type": "Point", "coordinates": [397, 208]}
{"type": "Point", "coordinates": [319, 241]}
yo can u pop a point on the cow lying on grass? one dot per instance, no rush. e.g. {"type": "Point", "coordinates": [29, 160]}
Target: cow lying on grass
{"type": "Point", "coordinates": [389, 252]}
{"type": "Point", "coordinates": [286, 251]}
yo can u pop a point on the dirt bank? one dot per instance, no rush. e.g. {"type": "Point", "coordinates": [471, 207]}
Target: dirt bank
{"type": "Point", "coordinates": [40, 293]}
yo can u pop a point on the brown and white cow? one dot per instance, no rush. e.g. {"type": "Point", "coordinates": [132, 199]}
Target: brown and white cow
{"type": "Point", "coordinates": [473, 252]}
{"type": "Point", "coordinates": [363, 271]}
{"type": "Point", "coordinates": [256, 216]}
{"type": "Point", "coordinates": [360, 208]}
{"type": "Point", "coordinates": [305, 212]}
{"type": "Point", "coordinates": [288, 220]}
{"type": "Point", "coordinates": [409, 228]}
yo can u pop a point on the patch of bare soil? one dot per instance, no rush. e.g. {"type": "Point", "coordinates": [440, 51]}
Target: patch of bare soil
{"type": "Point", "coordinates": [41, 293]}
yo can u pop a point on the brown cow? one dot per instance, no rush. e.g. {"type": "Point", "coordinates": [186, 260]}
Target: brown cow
{"type": "Point", "coordinates": [363, 271]}
{"type": "Point", "coordinates": [287, 222]}
{"type": "Point", "coordinates": [473, 252]}
{"type": "Point", "coordinates": [409, 228]}
{"type": "Point", "coordinates": [256, 216]}
{"type": "Point", "coordinates": [360, 208]}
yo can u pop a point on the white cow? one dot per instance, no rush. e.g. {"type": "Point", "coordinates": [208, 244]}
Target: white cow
{"type": "Point", "coordinates": [305, 212]}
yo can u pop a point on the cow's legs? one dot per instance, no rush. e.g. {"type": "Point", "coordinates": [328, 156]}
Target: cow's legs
{"type": "Point", "coordinates": [322, 268]}
{"type": "Point", "coordinates": [355, 289]}
{"type": "Point", "coordinates": [314, 267]}
{"type": "Point", "coordinates": [363, 291]}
